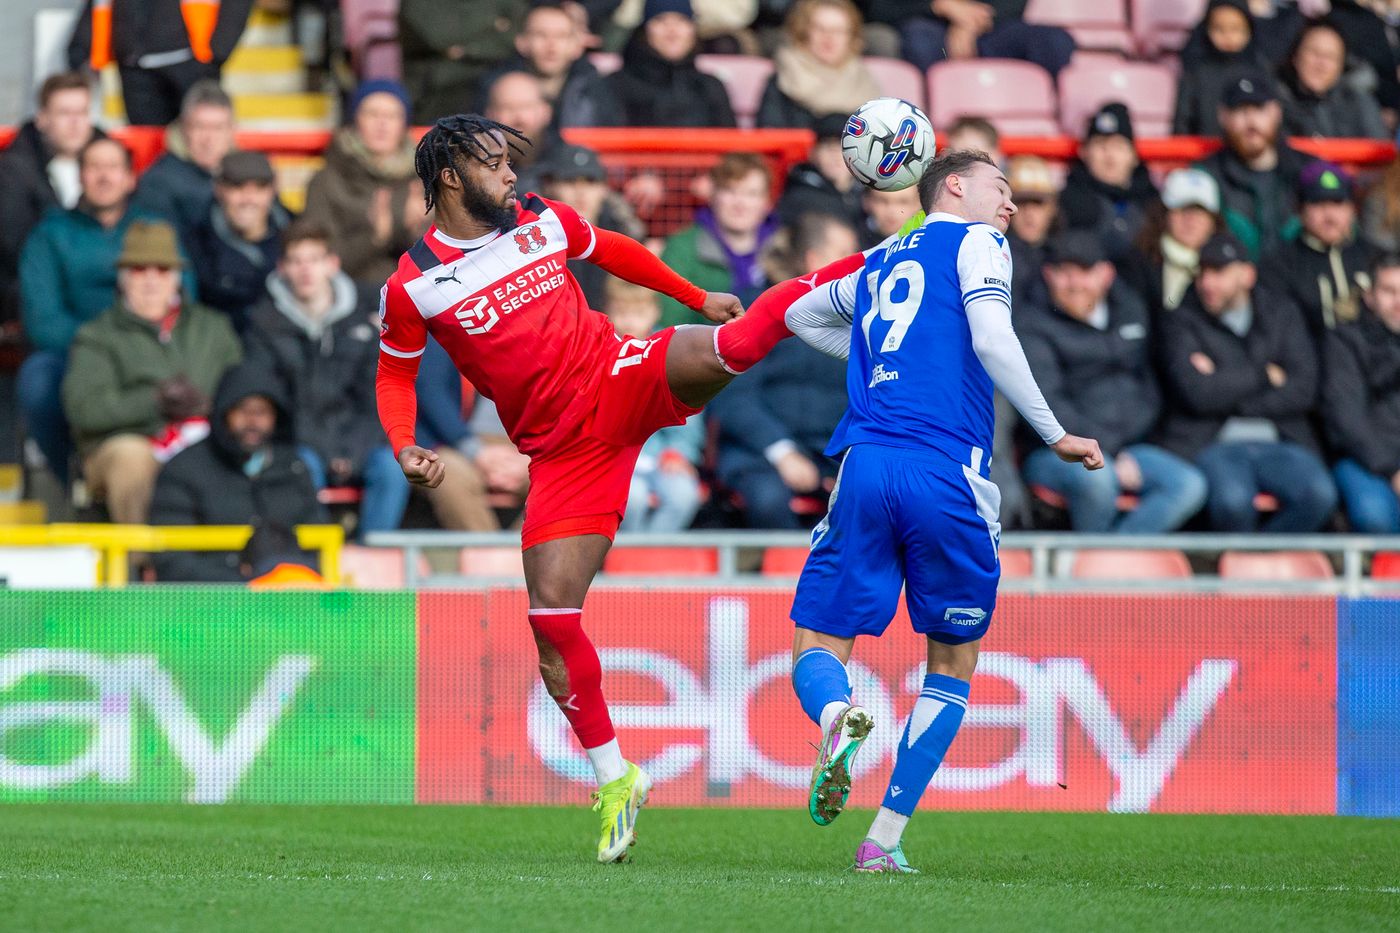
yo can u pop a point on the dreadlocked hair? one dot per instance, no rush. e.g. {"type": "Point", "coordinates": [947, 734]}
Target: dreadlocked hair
{"type": "Point", "coordinates": [452, 137]}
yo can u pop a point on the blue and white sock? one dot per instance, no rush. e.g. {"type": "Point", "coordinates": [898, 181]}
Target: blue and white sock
{"type": "Point", "coordinates": [934, 721]}
{"type": "Point", "coordinates": [819, 679]}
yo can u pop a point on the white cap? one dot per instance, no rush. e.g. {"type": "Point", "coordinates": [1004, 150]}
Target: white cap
{"type": "Point", "coordinates": [1191, 187]}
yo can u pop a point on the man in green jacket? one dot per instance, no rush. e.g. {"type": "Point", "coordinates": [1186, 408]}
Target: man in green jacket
{"type": "Point", "coordinates": [141, 374]}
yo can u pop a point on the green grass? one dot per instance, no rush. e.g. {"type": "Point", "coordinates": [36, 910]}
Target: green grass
{"type": "Point", "coordinates": [66, 867]}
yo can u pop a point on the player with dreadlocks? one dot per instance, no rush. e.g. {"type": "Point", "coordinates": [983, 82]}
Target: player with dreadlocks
{"type": "Point", "coordinates": [488, 281]}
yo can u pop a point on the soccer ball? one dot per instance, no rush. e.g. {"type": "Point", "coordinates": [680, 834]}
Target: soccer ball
{"type": "Point", "coordinates": [887, 144]}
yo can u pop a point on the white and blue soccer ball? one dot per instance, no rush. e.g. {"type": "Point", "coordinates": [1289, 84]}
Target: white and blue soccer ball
{"type": "Point", "coordinates": [887, 144]}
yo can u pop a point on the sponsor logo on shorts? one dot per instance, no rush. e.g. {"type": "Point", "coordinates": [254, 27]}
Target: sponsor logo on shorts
{"type": "Point", "coordinates": [969, 618]}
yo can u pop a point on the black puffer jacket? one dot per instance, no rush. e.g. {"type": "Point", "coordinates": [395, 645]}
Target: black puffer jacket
{"type": "Point", "coordinates": [1116, 214]}
{"type": "Point", "coordinates": [1206, 70]}
{"type": "Point", "coordinates": [326, 368]}
{"type": "Point", "coordinates": [1348, 110]}
{"type": "Point", "coordinates": [231, 271]}
{"type": "Point", "coordinates": [207, 484]}
{"type": "Point", "coordinates": [1198, 405]}
{"type": "Point", "coordinates": [1361, 393]}
{"type": "Point", "coordinates": [25, 195]}
{"type": "Point", "coordinates": [655, 92]}
{"type": "Point", "coordinates": [1099, 383]}
{"type": "Point", "coordinates": [808, 191]}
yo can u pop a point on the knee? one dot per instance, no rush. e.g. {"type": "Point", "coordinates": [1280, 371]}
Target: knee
{"type": "Point", "coordinates": [382, 467]}
{"type": "Point", "coordinates": [1190, 490]}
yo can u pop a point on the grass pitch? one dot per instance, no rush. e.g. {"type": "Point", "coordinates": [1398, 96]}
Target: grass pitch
{"type": "Point", "coordinates": [93, 867]}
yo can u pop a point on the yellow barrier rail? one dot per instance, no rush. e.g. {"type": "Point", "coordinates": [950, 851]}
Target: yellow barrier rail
{"type": "Point", "coordinates": [116, 542]}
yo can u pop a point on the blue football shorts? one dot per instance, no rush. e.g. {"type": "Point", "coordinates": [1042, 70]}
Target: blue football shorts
{"type": "Point", "coordinates": [904, 519]}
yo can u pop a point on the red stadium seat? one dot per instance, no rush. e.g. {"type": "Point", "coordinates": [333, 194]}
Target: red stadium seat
{"type": "Point", "coordinates": [1017, 97]}
{"type": "Point", "coordinates": [340, 495]}
{"type": "Point", "coordinates": [366, 24]}
{"type": "Point", "coordinates": [1016, 563]}
{"type": "Point", "coordinates": [1125, 502]}
{"type": "Point", "coordinates": [1148, 90]}
{"type": "Point", "coordinates": [784, 561]}
{"type": "Point", "coordinates": [372, 568]}
{"type": "Point", "coordinates": [1095, 24]}
{"type": "Point", "coordinates": [605, 62]}
{"type": "Point", "coordinates": [382, 56]}
{"type": "Point", "coordinates": [744, 77]}
{"type": "Point", "coordinates": [1275, 565]}
{"type": "Point", "coordinates": [1386, 565]}
{"type": "Point", "coordinates": [491, 562]}
{"type": "Point", "coordinates": [662, 561]}
{"type": "Point", "coordinates": [1164, 25]}
{"type": "Point", "coordinates": [897, 78]}
{"type": "Point", "coordinates": [1130, 565]}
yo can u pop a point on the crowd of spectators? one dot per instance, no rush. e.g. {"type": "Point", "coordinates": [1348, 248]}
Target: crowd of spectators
{"type": "Point", "coordinates": [1229, 331]}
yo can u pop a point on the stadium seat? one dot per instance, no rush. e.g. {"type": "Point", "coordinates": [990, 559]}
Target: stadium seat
{"type": "Point", "coordinates": [340, 495]}
{"type": "Point", "coordinates": [898, 78]}
{"type": "Point", "coordinates": [1016, 563]}
{"type": "Point", "coordinates": [784, 561]}
{"type": "Point", "coordinates": [605, 62]}
{"type": "Point", "coordinates": [1095, 24]}
{"type": "Point", "coordinates": [1017, 97]}
{"type": "Point", "coordinates": [382, 56]}
{"type": "Point", "coordinates": [662, 561]}
{"type": "Point", "coordinates": [372, 568]}
{"type": "Point", "coordinates": [1148, 90]}
{"type": "Point", "coordinates": [1164, 25]}
{"type": "Point", "coordinates": [366, 24]}
{"type": "Point", "coordinates": [1386, 565]}
{"type": "Point", "coordinates": [1129, 565]}
{"type": "Point", "coordinates": [744, 77]}
{"type": "Point", "coordinates": [1126, 502]}
{"type": "Point", "coordinates": [1275, 565]}
{"type": "Point", "coordinates": [491, 562]}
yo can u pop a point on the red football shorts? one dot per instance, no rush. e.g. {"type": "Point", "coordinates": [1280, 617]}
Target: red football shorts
{"type": "Point", "coordinates": [580, 486]}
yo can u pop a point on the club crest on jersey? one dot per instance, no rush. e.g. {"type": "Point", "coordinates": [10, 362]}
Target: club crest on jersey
{"type": "Point", "coordinates": [531, 239]}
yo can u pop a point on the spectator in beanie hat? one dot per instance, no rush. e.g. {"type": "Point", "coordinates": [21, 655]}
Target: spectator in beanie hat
{"type": "Point", "coordinates": [1324, 269]}
{"type": "Point", "coordinates": [368, 195]}
{"type": "Point", "coordinates": [658, 83]}
{"type": "Point", "coordinates": [1108, 190]}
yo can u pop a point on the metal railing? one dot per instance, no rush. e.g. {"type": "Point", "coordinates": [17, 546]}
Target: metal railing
{"type": "Point", "coordinates": [115, 543]}
{"type": "Point", "coordinates": [1052, 554]}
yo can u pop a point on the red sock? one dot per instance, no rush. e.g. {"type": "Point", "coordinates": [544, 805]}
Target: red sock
{"type": "Point", "coordinates": [583, 704]}
{"type": "Point", "coordinates": [741, 344]}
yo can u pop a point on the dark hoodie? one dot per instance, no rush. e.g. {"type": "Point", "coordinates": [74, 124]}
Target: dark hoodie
{"type": "Point", "coordinates": [1206, 70]}
{"type": "Point", "coordinates": [232, 272]}
{"type": "Point", "coordinates": [655, 92]}
{"type": "Point", "coordinates": [215, 482]}
{"type": "Point", "coordinates": [326, 367]}
{"type": "Point", "coordinates": [1116, 214]}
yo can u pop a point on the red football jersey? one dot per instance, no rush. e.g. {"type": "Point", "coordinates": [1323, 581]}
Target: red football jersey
{"type": "Point", "coordinates": [510, 315]}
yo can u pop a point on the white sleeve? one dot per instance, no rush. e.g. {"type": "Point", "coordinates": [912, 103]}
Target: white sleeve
{"type": "Point", "coordinates": [984, 275]}
{"type": "Point", "coordinates": [997, 346]}
{"type": "Point", "coordinates": [984, 265]}
{"type": "Point", "coordinates": [822, 317]}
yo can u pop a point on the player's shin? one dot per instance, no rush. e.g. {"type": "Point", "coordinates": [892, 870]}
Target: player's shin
{"type": "Point", "coordinates": [937, 715]}
{"type": "Point", "coordinates": [741, 343]}
{"type": "Point", "coordinates": [573, 675]}
{"type": "Point", "coordinates": [822, 686]}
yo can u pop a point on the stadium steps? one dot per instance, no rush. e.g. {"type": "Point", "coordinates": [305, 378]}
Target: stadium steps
{"type": "Point", "coordinates": [15, 510]}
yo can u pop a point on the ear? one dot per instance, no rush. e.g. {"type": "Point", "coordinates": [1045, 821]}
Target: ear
{"type": "Point", "coordinates": [447, 178]}
{"type": "Point", "coordinates": [1105, 274]}
{"type": "Point", "coordinates": [1249, 275]}
{"type": "Point", "coordinates": [953, 184]}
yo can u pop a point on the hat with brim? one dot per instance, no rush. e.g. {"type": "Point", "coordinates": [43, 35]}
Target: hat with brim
{"type": "Point", "coordinates": [242, 166]}
{"type": "Point", "coordinates": [150, 243]}
{"type": "Point", "coordinates": [1075, 247]}
{"type": "Point", "coordinates": [1222, 250]}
